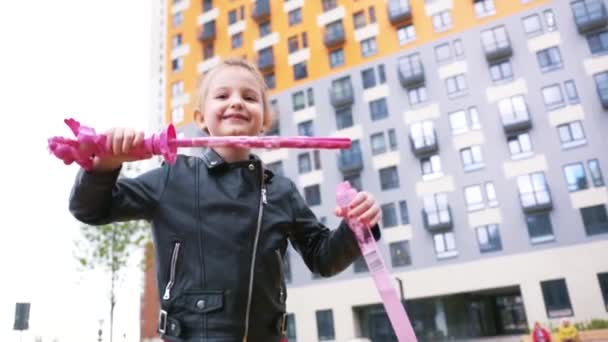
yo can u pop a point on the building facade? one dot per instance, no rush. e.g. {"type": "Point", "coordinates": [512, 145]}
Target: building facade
{"type": "Point", "coordinates": [478, 125]}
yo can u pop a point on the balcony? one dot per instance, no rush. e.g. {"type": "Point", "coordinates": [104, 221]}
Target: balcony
{"type": "Point", "coordinates": [498, 50]}
{"type": "Point", "coordinates": [535, 201]}
{"type": "Point", "coordinates": [266, 61]}
{"type": "Point", "coordinates": [589, 15]}
{"type": "Point", "coordinates": [437, 220]}
{"type": "Point", "coordinates": [424, 145]}
{"type": "Point", "coordinates": [411, 74]}
{"type": "Point", "coordinates": [350, 161]}
{"type": "Point", "coordinates": [341, 96]}
{"type": "Point", "coordinates": [517, 123]}
{"type": "Point", "coordinates": [208, 32]}
{"type": "Point", "coordinates": [261, 10]}
{"type": "Point", "coordinates": [334, 35]}
{"type": "Point", "coordinates": [399, 11]}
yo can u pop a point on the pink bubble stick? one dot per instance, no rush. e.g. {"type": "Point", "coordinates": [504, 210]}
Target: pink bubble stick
{"type": "Point", "coordinates": [394, 309]}
{"type": "Point", "coordinates": [89, 144]}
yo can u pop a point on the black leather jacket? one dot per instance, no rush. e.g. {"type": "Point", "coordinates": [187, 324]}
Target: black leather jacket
{"type": "Point", "coordinates": [220, 232]}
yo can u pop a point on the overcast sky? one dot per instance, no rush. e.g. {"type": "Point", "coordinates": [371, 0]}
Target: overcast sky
{"type": "Point", "coordinates": [63, 58]}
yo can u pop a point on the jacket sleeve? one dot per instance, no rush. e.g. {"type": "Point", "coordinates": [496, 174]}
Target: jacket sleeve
{"type": "Point", "coordinates": [324, 251]}
{"type": "Point", "coordinates": [99, 198]}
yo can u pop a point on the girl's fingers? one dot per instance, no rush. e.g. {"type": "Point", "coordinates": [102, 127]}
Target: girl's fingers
{"type": "Point", "coordinates": [374, 221]}
{"type": "Point", "coordinates": [369, 214]}
{"type": "Point", "coordinates": [117, 141]}
{"type": "Point", "coordinates": [359, 198]}
{"type": "Point", "coordinates": [361, 208]}
{"type": "Point", "coordinates": [139, 139]}
{"type": "Point", "coordinates": [127, 142]}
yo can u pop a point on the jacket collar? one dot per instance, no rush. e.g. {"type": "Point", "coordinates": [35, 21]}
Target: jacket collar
{"type": "Point", "coordinates": [214, 161]}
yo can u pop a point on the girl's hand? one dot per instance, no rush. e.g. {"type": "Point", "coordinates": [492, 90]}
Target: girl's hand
{"type": "Point", "coordinates": [119, 143]}
{"type": "Point", "coordinates": [362, 208]}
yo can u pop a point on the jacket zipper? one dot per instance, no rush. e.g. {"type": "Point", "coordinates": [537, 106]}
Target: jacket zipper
{"type": "Point", "coordinates": [254, 253]}
{"type": "Point", "coordinates": [167, 294]}
{"type": "Point", "coordinates": [281, 275]}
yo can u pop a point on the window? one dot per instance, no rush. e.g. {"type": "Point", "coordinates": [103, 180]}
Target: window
{"type": "Point", "coordinates": [586, 11]}
{"type": "Point", "coordinates": [389, 178]}
{"type": "Point", "coordinates": [495, 39]}
{"type": "Point", "coordinates": [491, 194]}
{"type": "Point", "coordinates": [603, 279]}
{"type": "Point", "coordinates": [291, 328]}
{"type": "Point", "coordinates": [443, 52]}
{"type": "Point", "coordinates": [431, 167]}
{"type": "Point", "coordinates": [405, 216]}
{"type": "Point", "coordinates": [344, 117]}
{"type": "Point", "coordinates": [557, 300]}
{"type": "Point", "coordinates": [458, 48]}
{"type": "Point", "coordinates": [571, 92]}
{"type": "Point", "coordinates": [300, 71]}
{"type": "Point", "coordinates": [369, 78]}
{"type": "Point", "coordinates": [550, 20]}
{"type": "Point", "coordinates": [456, 85]}
{"type": "Point", "coordinates": [236, 40]}
{"type": "Point", "coordinates": [571, 134]}
{"type": "Point", "coordinates": [553, 97]}
{"type": "Point", "coordinates": [264, 28]}
{"type": "Point", "coordinates": [378, 143]}
{"type": "Point", "coordinates": [532, 24]}
{"type": "Point", "coordinates": [371, 12]}
{"type": "Point", "coordinates": [601, 84]}
{"type": "Point", "coordinates": [488, 238]}
{"type": "Point", "coordinates": [533, 189]}
{"type": "Point", "coordinates": [598, 42]}
{"type": "Point", "coordinates": [484, 8]}
{"type": "Point", "coordinates": [400, 253]}
{"type": "Point", "coordinates": [177, 114]}
{"type": "Point", "coordinates": [177, 64]}
{"type": "Point", "coordinates": [207, 5]}
{"type": "Point", "coordinates": [464, 120]}
{"type": "Point", "coordinates": [325, 319]}
{"type": "Point", "coordinates": [368, 47]}
{"type": "Point", "coordinates": [177, 19]}
{"type": "Point", "coordinates": [406, 34]}
{"type": "Point", "coordinates": [306, 128]}
{"type": "Point", "coordinates": [423, 134]}
{"type": "Point", "coordinates": [276, 167]}
{"type": "Point", "coordinates": [295, 16]}
{"type": "Point", "coordinates": [549, 59]}
{"type": "Point", "coordinates": [445, 245]}
{"type": "Point", "coordinates": [513, 110]}
{"type": "Point", "coordinates": [539, 228]}
{"type": "Point", "coordinates": [575, 177]}
{"type": "Point", "coordinates": [520, 146]}
{"type": "Point", "coordinates": [336, 58]}
{"type": "Point", "coordinates": [359, 19]}
{"type": "Point", "coordinates": [304, 164]}
{"type": "Point", "coordinates": [270, 80]}
{"type": "Point", "coordinates": [595, 219]}
{"type": "Point", "coordinates": [501, 71]}
{"type": "Point", "coordinates": [442, 21]}
{"type": "Point", "coordinates": [360, 265]}
{"type": "Point", "coordinates": [596, 173]}
{"type": "Point", "coordinates": [389, 215]}
{"type": "Point", "coordinates": [417, 95]}
{"type": "Point", "coordinates": [301, 99]}
{"type": "Point", "coordinates": [177, 89]}
{"type": "Point", "coordinates": [378, 109]}
{"type": "Point", "coordinates": [392, 140]}
{"type": "Point", "coordinates": [177, 41]}
{"type": "Point", "coordinates": [436, 209]}
{"type": "Point", "coordinates": [313, 195]}
{"type": "Point", "coordinates": [232, 17]}
{"type": "Point", "coordinates": [208, 51]}
{"type": "Point", "coordinates": [293, 44]}
{"type": "Point", "coordinates": [472, 158]}
{"type": "Point", "coordinates": [473, 197]}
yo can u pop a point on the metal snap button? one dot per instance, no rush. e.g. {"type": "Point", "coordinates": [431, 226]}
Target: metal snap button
{"type": "Point", "coordinates": [251, 167]}
{"type": "Point", "coordinates": [200, 304]}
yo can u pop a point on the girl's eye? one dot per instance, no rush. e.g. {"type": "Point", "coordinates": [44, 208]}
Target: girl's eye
{"type": "Point", "coordinates": [221, 96]}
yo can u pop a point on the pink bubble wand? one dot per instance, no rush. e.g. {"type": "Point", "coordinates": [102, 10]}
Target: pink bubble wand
{"type": "Point", "coordinates": [369, 249]}
{"type": "Point", "coordinates": [89, 144]}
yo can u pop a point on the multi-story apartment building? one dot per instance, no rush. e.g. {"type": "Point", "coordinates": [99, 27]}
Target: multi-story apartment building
{"type": "Point", "coordinates": [478, 125]}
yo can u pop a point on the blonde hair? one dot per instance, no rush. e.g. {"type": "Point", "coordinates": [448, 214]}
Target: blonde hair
{"type": "Point", "coordinates": [206, 79]}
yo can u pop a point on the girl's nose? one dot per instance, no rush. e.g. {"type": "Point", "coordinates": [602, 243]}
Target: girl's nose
{"type": "Point", "coordinates": [236, 102]}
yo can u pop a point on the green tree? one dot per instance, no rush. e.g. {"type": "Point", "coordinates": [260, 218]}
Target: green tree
{"type": "Point", "coordinates": [109, 247]}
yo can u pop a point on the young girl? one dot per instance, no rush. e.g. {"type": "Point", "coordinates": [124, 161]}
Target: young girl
{"type": "Point", "coordinates": [220, 222]}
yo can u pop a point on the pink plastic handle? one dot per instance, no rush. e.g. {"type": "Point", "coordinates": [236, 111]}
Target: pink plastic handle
{"type": "Point", "coordinates": [369, 249]}
{"type": "Point", "coordinates": [89, 144]}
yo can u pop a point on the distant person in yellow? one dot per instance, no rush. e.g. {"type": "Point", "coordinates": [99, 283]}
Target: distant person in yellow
{"type": "Point", "coordinates": [567, 332]}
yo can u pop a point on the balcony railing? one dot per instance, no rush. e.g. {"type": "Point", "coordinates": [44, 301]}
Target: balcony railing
{"type": "Point", "coordinates": [334, 35]}
{"type": "Point", "coordinates": [535, 201]}
{"type": "Point", "coordinates": [411, 75]}
{"type": "Point", "coordinates": [516, 122]}
{"type": "Point", "coordinates": [207, 33]}
{"type": "Point", "coordinates": [349, 161]}
{"type": "Point", "coordinates": [266, 62]}
{"type": "Point", "coordinates": [589, 15]}
{"type": "Point", "coordinates": [424, 145]}
{"type": "Point", "coordinates": [437, 220]}
{"type": "Point", "coordinates": [341, 96]}
{"type": "Point", "coordinates": [261, 10]}
{"type": "Point", "coordinates": [498, 50]}
{"type": "Point", "coordinates": [399, 11]}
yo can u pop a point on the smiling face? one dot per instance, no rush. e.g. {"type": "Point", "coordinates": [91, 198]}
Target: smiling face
{"type": "Point", "coordinates": [233, 103]}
